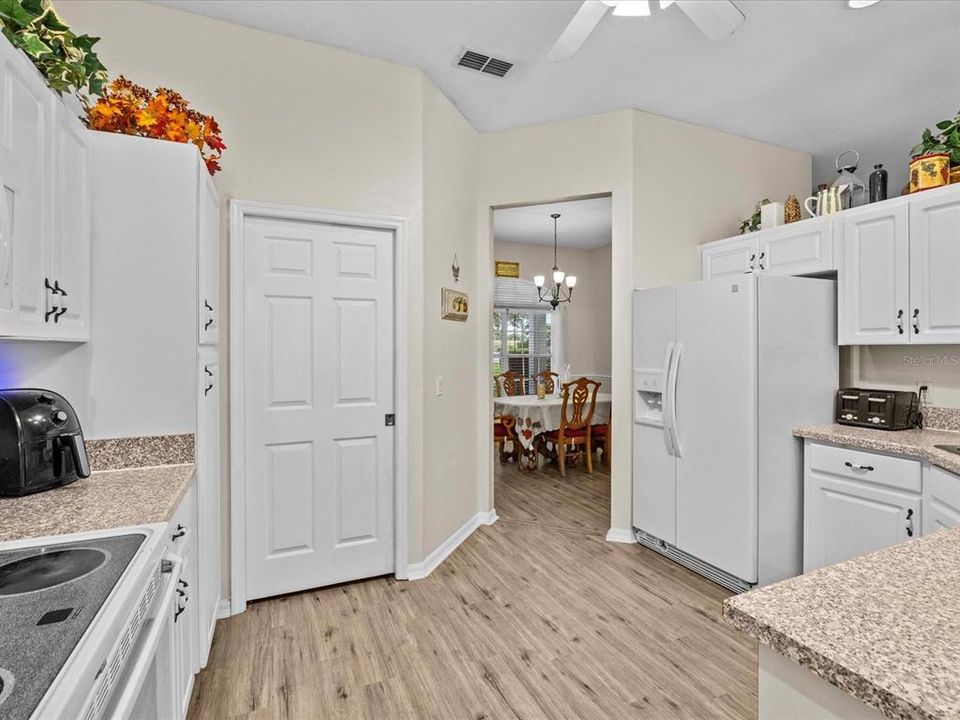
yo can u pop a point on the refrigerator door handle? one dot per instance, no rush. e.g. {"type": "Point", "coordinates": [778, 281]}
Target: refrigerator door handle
{"type": "Point", "coordinates": [667, 432]}
{"type": "Point", "coordinates": [672, 398]}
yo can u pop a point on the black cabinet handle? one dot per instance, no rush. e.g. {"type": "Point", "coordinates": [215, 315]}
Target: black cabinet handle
{"type": "Point", "coordinates": [916, 321]}
{"type": "Point", "coordinates": [752, 258]}
{"type": "Point", "coordinates": [183, 583]}
{"type": "Point", "coordinates": [207, 389]}
{"type": "Point", "coordinates": [910, 522]}
{"type": "Point", "coordinates": [179, 612]}
{"type": "Point", "coordinates": [900, 321]}
{"type": "Point", "coordinates": [209, 322]}
{"type": "Point", "coordinates": [762, 255]}
{"type": "Point", "coordinates": [181, 531]}
{"type": "Point", "coordinates": [854, 466]}
{"type": "Point", "coordinates": [52, 310]}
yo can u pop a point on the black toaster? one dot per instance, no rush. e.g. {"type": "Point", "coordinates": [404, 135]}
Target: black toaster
{"type": "Point", "coordinates": [41, 443]}
{"type": "Point", "coordinates": [882, 409]}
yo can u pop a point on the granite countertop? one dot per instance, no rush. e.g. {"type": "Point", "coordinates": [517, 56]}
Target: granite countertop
{"type": "Point", "coordinates": [883, 627]}
{"type": "Point", "coordinates": [915, 443]}
{"type": "Point", "coordinates": [107, 499]}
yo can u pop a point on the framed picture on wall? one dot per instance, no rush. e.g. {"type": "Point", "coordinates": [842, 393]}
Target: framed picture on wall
{"type": "Point", "coordinates": [508, 269]}
{"type": "Point", "coordinates": [454, 304]}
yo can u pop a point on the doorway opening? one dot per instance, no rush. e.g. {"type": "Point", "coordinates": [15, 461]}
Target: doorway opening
{"type": "Point", "coordinates": [550, 362]}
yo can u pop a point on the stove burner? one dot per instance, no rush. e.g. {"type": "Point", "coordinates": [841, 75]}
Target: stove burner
{"type": "Point", "coordinates": [47, 570]}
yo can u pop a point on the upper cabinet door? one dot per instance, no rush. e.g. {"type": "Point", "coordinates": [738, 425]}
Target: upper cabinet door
{"type": "Point", "coordinates": [935, 267]}
{"type": "Point", "coordinates": [874, 298]}
{"type": "Point", "coordinates": [802, 248]}
{"type": "Point", "coordinates": [734, 256]}
{"type": "Point", "coordinates": [25, 108]}
{"type": "Point", "coordinates": [208, 236]}
{"type": "Point", "coordinates": [69, 266]}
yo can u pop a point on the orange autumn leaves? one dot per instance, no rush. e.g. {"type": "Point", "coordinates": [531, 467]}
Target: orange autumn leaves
{"type": "Point", "coordinates": [125, 107]}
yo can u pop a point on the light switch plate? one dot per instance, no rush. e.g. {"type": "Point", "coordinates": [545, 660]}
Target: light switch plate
{"type": "Point", "coordinates": [439, 385]}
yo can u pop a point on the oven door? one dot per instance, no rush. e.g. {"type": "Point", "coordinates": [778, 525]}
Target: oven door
{"type": "Point", "coordinates": [145, 689]}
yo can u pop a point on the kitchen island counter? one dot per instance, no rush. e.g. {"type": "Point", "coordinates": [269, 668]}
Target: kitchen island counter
{"type": "Point", "coordinates": [884, 628]}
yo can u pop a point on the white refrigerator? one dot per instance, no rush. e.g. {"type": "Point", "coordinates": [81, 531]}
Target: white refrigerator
{"type": "Point", "coordinates": [723, 370]}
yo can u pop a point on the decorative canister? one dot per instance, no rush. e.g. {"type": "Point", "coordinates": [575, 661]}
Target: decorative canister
{"type": "Point", "coordinates": [878, 184]}
{"type": "Point", "coordinates": [791, 209]}
{"type": "Point", "coordinates": [929, 171]}
{"type": "Point", "coordinates": [955, 175]}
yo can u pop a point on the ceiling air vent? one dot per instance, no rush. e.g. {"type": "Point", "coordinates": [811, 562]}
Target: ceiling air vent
{"type": "Point", "coordinates": [473, 60]}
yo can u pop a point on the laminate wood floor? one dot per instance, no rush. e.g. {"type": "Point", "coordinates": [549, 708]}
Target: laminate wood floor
{"type": "Point", "coordinates": [535, 616]}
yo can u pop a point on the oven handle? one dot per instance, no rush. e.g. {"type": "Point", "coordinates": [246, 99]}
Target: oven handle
{"type": "Point", "coordinates": [140, 663]}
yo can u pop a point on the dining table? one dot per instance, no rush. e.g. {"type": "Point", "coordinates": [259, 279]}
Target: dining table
{"type": "Point", "coordinates": [535, 416]}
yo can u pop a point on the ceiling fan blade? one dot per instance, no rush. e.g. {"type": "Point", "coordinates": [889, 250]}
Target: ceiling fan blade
{"type": "Point", "coordinates": [715, 18]}
{"type": "Point", "coordinates": [577, 32]}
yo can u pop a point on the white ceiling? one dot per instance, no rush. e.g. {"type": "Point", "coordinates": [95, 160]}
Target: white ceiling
{"type": "Point", "coordinates": [806, 74]}
{"type": "Point", "coordinates": [583, 224]}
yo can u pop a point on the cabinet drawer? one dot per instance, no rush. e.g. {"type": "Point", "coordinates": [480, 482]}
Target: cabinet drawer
{"type": "Point", "coordinates": [869, 467]}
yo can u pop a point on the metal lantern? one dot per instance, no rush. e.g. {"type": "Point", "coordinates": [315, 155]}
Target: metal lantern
{"type": "Point", "coordinates": [856, 194]}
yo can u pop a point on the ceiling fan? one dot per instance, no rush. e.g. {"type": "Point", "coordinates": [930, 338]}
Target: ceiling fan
{"type": "Point", "coordinates": [715, 18]}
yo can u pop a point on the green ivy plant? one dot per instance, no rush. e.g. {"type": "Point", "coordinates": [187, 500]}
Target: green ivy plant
{"type": "Point", "coordinates": [947, 140]}
{"type": "Point", "coordinates": [65, 59]}
{"type": "Point", "coordinates": [752, 223]}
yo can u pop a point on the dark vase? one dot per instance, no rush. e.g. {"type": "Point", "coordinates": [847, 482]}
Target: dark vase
{"type": "Point", "coordinates": [878, 184]}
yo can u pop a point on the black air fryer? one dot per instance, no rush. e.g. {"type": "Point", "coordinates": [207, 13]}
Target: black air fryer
{"type": "Point", "coordinates": [41, 443]}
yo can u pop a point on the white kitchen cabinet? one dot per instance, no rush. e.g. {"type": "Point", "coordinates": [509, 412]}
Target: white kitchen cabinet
{"type": "Point", "coordinates": [801, 248]}
{"type": "Point", "coordinates": [208, 238]}
{"type": "Point", "coordinates": [183, 542]}
{"type": "Point", "coordinates": [873, 280]}
{"type": "Point", "coordinates": [941, 499]}
{"type": "Point", "coordinates": [69, 261]}
{"type": "Point", "coordinates": [855, 506]}
{"type": "Point", "coordinates": [45, 213]}
{"type": "Point", "coordinates": [25, 147]}
{"type": "Point", "coordinates": [935, 267]}
{"type": "Point", "coordinates": [208, 498]}
{"type": "Point", "coordinates": [733, 256]}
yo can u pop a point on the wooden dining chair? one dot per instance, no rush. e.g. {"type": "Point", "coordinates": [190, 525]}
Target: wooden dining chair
{"type": "Point", "coordinates": [576, 413]}
{"type": "Point", "coordinates": [549, 379]}
{"type": "Point", "coordinates": [503, 433]}
{"type": "Point", "coordinates": [510, 383]}
{"type": "Point", "coordinates": [600, 435]}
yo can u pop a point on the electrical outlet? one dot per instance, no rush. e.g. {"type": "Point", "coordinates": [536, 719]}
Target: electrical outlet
{"type": "Point", "coordinates": [439, 385]}
{"type": "Point", "coordinates": [926, 396]}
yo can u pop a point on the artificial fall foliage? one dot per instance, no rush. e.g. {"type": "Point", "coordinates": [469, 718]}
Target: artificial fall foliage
{"type": "Point", "coordinates": [128, 108]}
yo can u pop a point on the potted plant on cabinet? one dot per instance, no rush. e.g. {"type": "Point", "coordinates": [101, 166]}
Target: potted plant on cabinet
{"type": "Point", "coordinates": [67, 61]}
{"type": "Point", "coordinates": [934, 155]}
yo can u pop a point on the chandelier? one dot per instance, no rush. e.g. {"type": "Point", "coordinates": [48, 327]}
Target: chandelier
{"type": "Point", "coordinates": [555, 295]}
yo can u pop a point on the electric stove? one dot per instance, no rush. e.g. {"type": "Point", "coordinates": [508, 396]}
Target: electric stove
{"type": "Point", "coordinates": [61, 600]}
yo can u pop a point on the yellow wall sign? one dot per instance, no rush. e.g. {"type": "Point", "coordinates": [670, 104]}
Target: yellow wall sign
{"type": "Point", "coordinates": [508, 269]}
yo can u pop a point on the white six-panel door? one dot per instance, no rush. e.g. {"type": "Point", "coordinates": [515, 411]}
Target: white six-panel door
{"type": "Point", "coordinates": [318, 383]}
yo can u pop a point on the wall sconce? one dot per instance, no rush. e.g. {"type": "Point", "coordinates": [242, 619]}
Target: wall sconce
{"type": "Point", "coordinates": [455, 268]}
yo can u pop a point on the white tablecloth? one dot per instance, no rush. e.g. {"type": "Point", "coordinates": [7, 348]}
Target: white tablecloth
{"type": "Point", "coordinates": [535, 416]}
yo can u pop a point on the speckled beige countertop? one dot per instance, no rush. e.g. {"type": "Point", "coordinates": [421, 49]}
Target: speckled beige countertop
{"type": "Point", "coordinates": [112, 498]}
{"type": "Point", "coordinates": [914, 443]}
{"type": "Point", "coordinates": [884, 627]}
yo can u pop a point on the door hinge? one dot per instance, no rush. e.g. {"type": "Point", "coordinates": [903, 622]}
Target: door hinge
{"type": "Point", "coordinates": [389, 419]}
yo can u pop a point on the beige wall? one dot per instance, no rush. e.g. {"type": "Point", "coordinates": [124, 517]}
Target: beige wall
{"type": "Point", "coordinates": [588, 316]}
{"type": "Point", "coordinates": [897, 367]}
{"type": "Point", "coordinates": [450, 148]}
{"type": "Point", "coordinates": [317, 126]}
{"type": "Point", "coordinates": [557, 161]}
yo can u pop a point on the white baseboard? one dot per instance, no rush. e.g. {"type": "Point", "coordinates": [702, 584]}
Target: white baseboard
{"type": "Point", "coordinates": [223, 609]}
{"type": "Point", "coordinates": [620, 535]}
{"type": "Point", "coordinates": [418, 571]}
